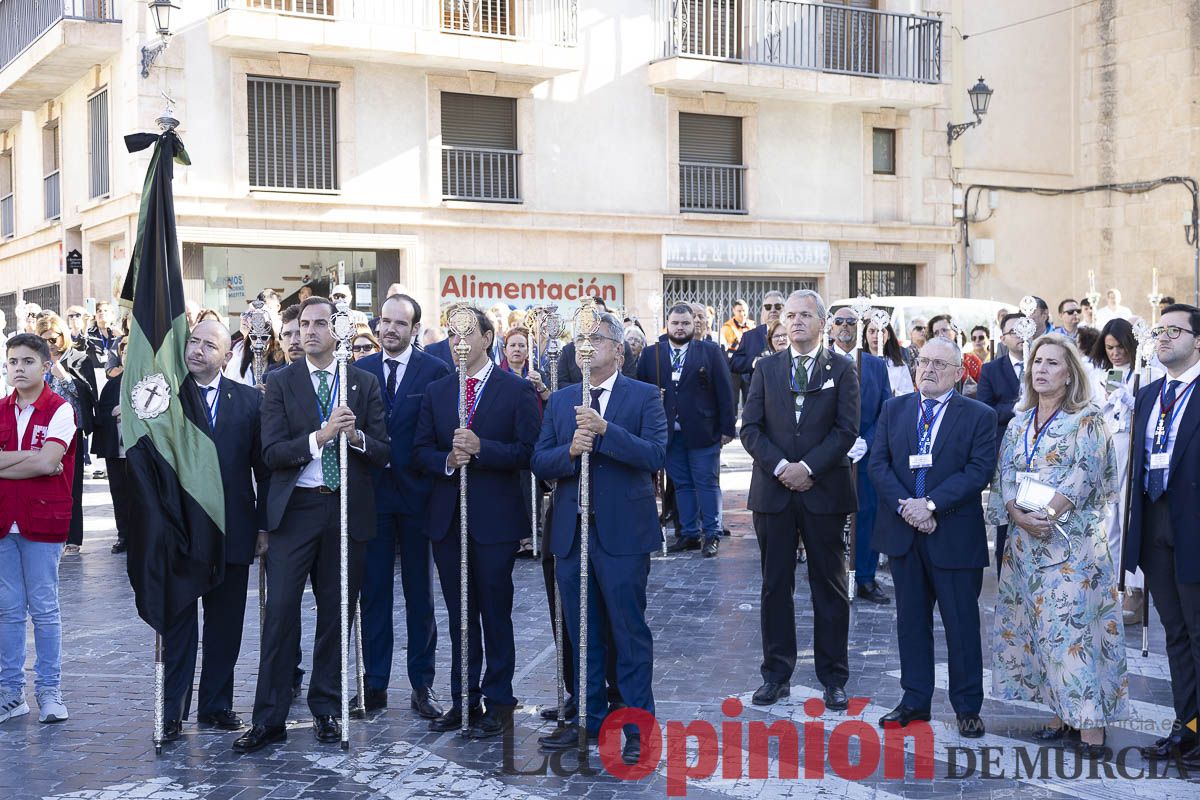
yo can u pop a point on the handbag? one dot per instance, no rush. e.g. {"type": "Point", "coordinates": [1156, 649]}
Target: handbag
{"type": "Point", "coordinates": [1034, 496]}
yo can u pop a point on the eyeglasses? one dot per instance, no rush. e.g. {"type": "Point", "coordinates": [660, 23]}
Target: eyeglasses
{"type": "Point", "coordinates": [936, 364]}
{"type": "Point", "coordinates": [1073, 311]}
{"type": "Point", "coordinates": [979, 338]}
{"type": "Point", "coordinates": [362, 348]}
{"type": "Point", "coordinates": [596, 339]}
{"type": "Point", "coordinates": [842, 322]}
{"type": "Point", "coordinates": [1172, 331]}
{"type": "Point", "coordinates": [918, 327]}
{"type": "Point", "coordinates": [74, 316]}
{"type": "Point", "coordinates": [772, 306]}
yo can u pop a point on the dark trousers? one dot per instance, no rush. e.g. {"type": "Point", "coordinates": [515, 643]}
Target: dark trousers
{"type": "Point", "coordinates": [1178, 606]}
{"type": "Point", "coordinates": [224, 615]}
{"type": "Point", "coordinates": [1001, 538]}
{"type": "Point", "coordinates": [866, 558]}
{"type": "Point", "coordinates": [616, 603]}
{"type": "Point", "coordinates": [307, 541]}
{"type": "Point", "coordinates": [379, 579]}
{"type": "Point", "coordinates": [777, 541]}
{"type": "Point", "coordinates": [489, 606]}
{"type": "Point", "coordinates": [741, 388]}
{"type": "Point", "coordinates": [919, 584]}
{"type": "Point", "coordinates": [75, 535]}
{"type": "Point", "coordinates": [118, 488]}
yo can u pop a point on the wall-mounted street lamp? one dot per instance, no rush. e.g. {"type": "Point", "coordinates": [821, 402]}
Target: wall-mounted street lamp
{"type": "Point", "coordinates": [161, 9]}
{"type": "Point", "coordinates": [980, 96]}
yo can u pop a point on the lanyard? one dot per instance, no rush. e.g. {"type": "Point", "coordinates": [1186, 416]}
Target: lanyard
{"type": "Point", "coordinates": [212, 408]}
{"type": "Point", "coordinates": [1167, 413]}
{"type": "Point", "coordinates": [926, 424]}
{"type": "Point", "coordinates": [326, 411]}
{"type": "Point", "coordinates": [792, 373]}
{"type": "Point", "coordinates": [1038, 433]}
{"type": "Point", "coordinates": [478, 394]}
{"type": "Point", "coordinates": [677, 356]}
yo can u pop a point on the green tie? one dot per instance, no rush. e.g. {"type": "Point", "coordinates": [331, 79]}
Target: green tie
{"type": "Point", "coordinates": [799, 380]}
{"type": "Point", "coordinates": [329, 454]}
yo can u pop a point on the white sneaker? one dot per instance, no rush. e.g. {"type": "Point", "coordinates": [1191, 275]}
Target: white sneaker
{"type": "Point", "coordinates": [12, 705]}
{"type": "Point", "coordinates": [50, 706]}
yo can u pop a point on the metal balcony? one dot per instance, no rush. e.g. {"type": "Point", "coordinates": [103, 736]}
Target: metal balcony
{"type": "Point", "coordinates": [712, 188]}
{"type": "Point", "coordinates": [484, 175]}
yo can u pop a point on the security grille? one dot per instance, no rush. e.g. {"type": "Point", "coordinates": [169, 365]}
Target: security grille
{"type": "Point", "coordinates": [292, 128]}
{"type": "Point", "coordinates": [721, 292]}
{"type": "Point", "coordinates": [98, 144]}
{"type": "Point", "coordinates": [8, 304]}
{"type": "Point", "coordinates": [48, 297]}
{"type": "Point", "coordinates": [883, 280]}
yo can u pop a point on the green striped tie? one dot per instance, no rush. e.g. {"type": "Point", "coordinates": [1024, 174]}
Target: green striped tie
{"type": "Point", "coordinates": [329, 454]}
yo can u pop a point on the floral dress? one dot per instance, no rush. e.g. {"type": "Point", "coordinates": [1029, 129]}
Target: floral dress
{"type": "Point", "coordinates": [1058, 635]}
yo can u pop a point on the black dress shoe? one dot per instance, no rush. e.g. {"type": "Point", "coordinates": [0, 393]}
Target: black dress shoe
{"type": "Point", "coordinates": [901, 715]}
{"type": "Point", "coordinates": [770, 693]}
{"type": "Point", "coordinates": [681, 544]}
{"type": "Point", "coordinates": [835, 698]}
{"type": "Point", "coordinates": [1167, 747]}
{"type": "Point", "coordinates": [495, 721]}
{"type": "Point", "coordinates": [871, 592]}
{"type": "Point", "coordinates": [376, 699]}
{"type": "Point", "coordinates": [570, 711]}
{"type": "Point", "coordinates": [1098, 752]}
{"type": "Point", "coordinates": [425, 703]}
{"type": "Point", "coordinates": [564, 738]}
{"type": "Point", "coordinates": [258, 737]}
{"type": "Point", "coordinates": [120, 546]}
{"type": "Point", "coordinates": [1053, 734]}
{"type": "Point", "coordinates": [452, 719]}
{"type": "Point", "coordinates": [710, 548]}
{"type": "Point", "coordinates": [224, 719]}
{"type": "Point", "coordinates": [327, 728]}
{"type": "Point", "coordinates": [970, 726]}
{"type": "Point", "coordinates": [171, 730]}
{"type": "Point", "coordinates": [631, 753]}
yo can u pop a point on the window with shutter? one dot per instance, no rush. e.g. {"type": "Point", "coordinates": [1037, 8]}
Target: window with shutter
{"type": "Point", "coordinates": [98, 144]}
{"type": "Point", "coordinates": [480, 159]}
{"type": "Point", "coordinates": [713, 28]}
{"type": "Point", "coordinates": [711, 172]}
{"type": "Point", "coordinates": [7, 210]}
{"type": "Point", "coordinates": [292, 130]}
{"type": "Point", "coordinates": [51, 186]}
{"type": "Point", "coordinates": [485, 17]}
{"type": "Point", "coordinates": [851, 36]}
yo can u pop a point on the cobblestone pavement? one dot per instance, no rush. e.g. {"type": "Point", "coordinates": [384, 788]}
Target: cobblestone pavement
{"type": "Point", "coordinates": [704, 614]}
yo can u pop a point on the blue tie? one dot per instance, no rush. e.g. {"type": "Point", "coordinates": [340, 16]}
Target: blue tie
{"type": "Point", "coordinates": [1156, 487]}
{"type": "Point", "coordinates": [923, 448]}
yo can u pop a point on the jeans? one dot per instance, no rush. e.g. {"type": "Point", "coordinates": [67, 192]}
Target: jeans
{"type": "Point", "coordinates": [696, 475]}
{"type": "Point", "coordinates": [29, 582]}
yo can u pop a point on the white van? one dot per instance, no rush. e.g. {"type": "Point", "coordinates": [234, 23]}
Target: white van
{"type": "Point", "coordinates": [966, 313]}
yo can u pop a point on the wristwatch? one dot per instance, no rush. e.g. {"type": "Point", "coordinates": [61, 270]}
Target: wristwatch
{"type": "Point", "coordinates": [930, 505]}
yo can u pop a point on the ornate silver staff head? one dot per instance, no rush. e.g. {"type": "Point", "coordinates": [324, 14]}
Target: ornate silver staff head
{"type": "Point", "coordinates": [861, 306]}
{"type": "Point", "coordinates": [587, 322]}
{"type": "Point", "coordinates": [1145, 343]}
{"type": "Point", "coordinates": [552, 329]}
{"type": "Point", "coordinates": [1028, 305]}
{"type": "Point", "coordinates": [462, 322]}
{"type": "Point", "coordinates": [881, 318]}
{"type": "Point", "coordinates": [259, 320]}
{"type": "Point", "coordinates": [1026, 328]}
{"type": "Point", "coordinates": [342, 327]}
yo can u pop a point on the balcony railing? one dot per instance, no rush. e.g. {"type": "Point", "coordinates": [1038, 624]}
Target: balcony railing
{"type": "Point", "coordinates": [7, 220]}
{"type": "Point", "coordinates": [486, 175]}
{"type": "Point", "coordinates": [23, 21]}
{"type": "Point", "coordinates": [712, 188]}
{"type": "Point", "coordinates": [549, 21]}
{"type": "Point", "coordinates": [814, 36]}
{"type": "Point", "coordinates": [52, 196]}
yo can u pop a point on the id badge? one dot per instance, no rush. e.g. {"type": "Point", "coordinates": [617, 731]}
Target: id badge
{"type": "Point", "coordinates": [675, 376]}
{"type": "Point", "coordinates": [1160, 460]}
{"type": "Point", "coordinates": [1033, 476]}
{"type": "Point", "coordinates": [921, 461]}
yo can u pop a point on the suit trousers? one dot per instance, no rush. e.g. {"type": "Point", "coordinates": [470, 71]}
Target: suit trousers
{"type": "Point", "coordinates": [919, 584]}
{"type": "Point", "coordinates": [1001, 538]}
{"type": "Point", "coordinates": [308, 540]}
{"type": "Point", "coordinates": [695, 471]}
{"type": "Point", "coordinates": [777, 543]}
{"type": "Point", "coordinates": [616, 621]}
{"type": "Point", "coordinates": [224, 616]}
{"type": "Point", "coordinates": [866, 558]}
{"type": "Point", "coordinates": [489, 606]}
{"type": "Point", "coordinates": [118, 489]}
{"type": "Point", "coordinates": [379, 578]}
{"type": "Point", "coordinates": [75, 535]}
{"type": "Point", "coordinates": [1177, 604]}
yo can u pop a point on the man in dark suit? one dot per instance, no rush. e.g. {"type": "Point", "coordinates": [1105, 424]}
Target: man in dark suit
{"type": "Point", "coordinates": [231, 418]}
{"type": "Point", "coordinates": [495, 446]}
{"type": "Point", "coordinates": [1164, 528]}
{"type": "Point", "coordinates": [1000, 388]}
{"type": "Point", "coordinates": [301, 422]}
{"type": "Point", "coordinates": [799, 422]}
{"type": "Point", "coordinates": [933, 455]}
{"type": "Point", "coordinates": [699, 405]}
{"type": "Point", "coordinates": [754, 342]}
{"type": "Point", "coordinates": [441, 351]}
{"type": "Point", "coordinates": [625, 429]}
{"type": "Point", "coordinates": [875, 387]}
{"type": "Point", "coordinates": [401, 494]}
{"type": "Point", "coordinates": [107, 444]}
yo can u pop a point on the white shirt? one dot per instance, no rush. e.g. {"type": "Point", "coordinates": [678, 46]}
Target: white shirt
{"type": "Point", "coordinates": [812, 363]}
{"type": "Point", "coordinates": [607, 386]}
{"type": "Point", "coordinates": [210, 398]}
{"type": "Point", "coordinates": [1180, 409]}
{"type": "Point", "coordinates": [899, 378]}
{"type": "Point", "coordinates": [938, 415]}
{"type": "Point", "coordinates": [481, 375]}
{"type": "Point", "coordinates": [61, 429]}
{"type": "Point", "coordinates": [401, 367]}
{"type": "Point", "coordinates": [310, 476]}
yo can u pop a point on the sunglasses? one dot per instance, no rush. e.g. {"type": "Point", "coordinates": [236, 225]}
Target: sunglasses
{"type": "Point", "coordinates": [362, 348]}
{"type": "Point", "coordinates": [772, 306]}
{"type": "Point", "coordinates": [74, 316]}
{"type": "Point", "coordinates": [1073, 311]}
{"type": "Point", "coordinates": [842, 322]}
{"type": "Point", "coordinates": [979, 338]}
{"type": "Point", "coordinates": [918, 327]}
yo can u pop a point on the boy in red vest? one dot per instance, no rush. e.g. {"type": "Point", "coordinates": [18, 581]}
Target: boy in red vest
{"type": "Point", "coordinates": [37, 456]}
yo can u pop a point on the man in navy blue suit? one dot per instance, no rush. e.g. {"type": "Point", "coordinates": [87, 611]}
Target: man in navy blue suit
{"type": "Point", "coordinates": [441, 351]}
{"type": "Point", "coordinates": [401, 493]}
{"type": "Point", "coordinates": [495, 446]}
{"type": "Point", "coordinates": [229, 412]}
{"type": "Point", "coordinates": [875, 387]}
{"type": "Point", "coordinates": [933, 455]}
{"type": "Point", "coordinates": [698, 400]}
{"type": "Point", "coordinates": [625, 429]}
{"type": "Point", "coordinates": [754, 343]}
{"type": "Point", "coordinates": [1164, 522]}
{"type": "Point", "coordinates": [1000, 388]}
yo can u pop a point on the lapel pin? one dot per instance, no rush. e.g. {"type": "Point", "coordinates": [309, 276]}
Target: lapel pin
{"type": "Point", "coordinates": [354, 387]}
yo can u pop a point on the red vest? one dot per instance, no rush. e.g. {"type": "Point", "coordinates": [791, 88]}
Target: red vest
{"type": "Point", "coordinates": [40, 506]}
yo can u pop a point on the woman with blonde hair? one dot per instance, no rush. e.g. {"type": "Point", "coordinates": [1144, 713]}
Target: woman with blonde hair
{"type": "Point", "coordinates": [1058, 633]}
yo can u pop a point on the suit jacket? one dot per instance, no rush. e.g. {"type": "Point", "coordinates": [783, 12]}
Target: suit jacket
{"type": "Point", "coordinates": [506, 422]}
{"type": "Point", "coordinates": [290, 414]}
{"type": "Point", "coordinates": [569, 372]}
{"type": "Point", "coordinates": [401, 487]}
{"type": "Point", "coordinates": [1000, 389]}
{"type": "Point", "coordinates": [441, 350]}
{"type": "Point", "coordinates": [876, 388]}
{"type": "Point", "coordinates": [1183, 483]}
{"type": "Point", "coordinates": [623, 463]}
{"type": "Point", "coordinates": [707, 412]}
{"type": "Point", "coordinates": [964, 457]}
{"type": "Point", "coordinates": [106, 442]}
{"type": "Point", "coordinates": [239, 451]}
{"type": "Point", "coordinates": [752, 345]}
{"type": "Point", "coordinates": [826, 431]}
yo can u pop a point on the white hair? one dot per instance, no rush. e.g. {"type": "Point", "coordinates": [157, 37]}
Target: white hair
{"type": "Point", "coordinates": [800, 294]}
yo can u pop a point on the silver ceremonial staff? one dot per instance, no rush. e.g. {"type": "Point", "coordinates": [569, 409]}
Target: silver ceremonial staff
{"type": "Point", "coordinates": [343, 330]}
{"type": "Point", "coordinates": [259, 337]}
{"type": "Point", "coordinates": [1141, 363]}
{"type": "Point", "coordinates": [462, 323]}
{"type": "Point", "coordinates": [159, 691]}
{"type": "Point", "coordinates": [535, 321]}
{"type": "Point", "coordinates": [552, 325]}
{"type": "Point", "coordinates": [587, 322]}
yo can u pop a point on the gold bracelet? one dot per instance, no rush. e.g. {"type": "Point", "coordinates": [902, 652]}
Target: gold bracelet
{"type": "Point", "coordinates": [1051, 513]}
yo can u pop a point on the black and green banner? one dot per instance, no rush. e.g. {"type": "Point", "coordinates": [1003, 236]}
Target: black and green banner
{"type": "Point", "coordinates": [176, 541]}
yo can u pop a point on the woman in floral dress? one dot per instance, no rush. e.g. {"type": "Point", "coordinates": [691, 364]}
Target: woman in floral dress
{"type": "Point", "coordinates": [1059, 638]}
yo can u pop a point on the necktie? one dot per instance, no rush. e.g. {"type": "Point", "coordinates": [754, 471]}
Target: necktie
{"type": "Point", "coordinates": [596, 399]}
{"type": "Point", "coordinates": [391, 378]}
{"type": "Point", "coordinates": [212, 423]}
{"type": "Point", "coordinates": [471, 397]}
{"type": "Point", "coordinates": [676, 359]}
{"type": "Point", "coordinates": [330, 473]}
{"type": "Point", "coordinates": [1156, 487]}
{"type": "Point", "coordinates": [1020, 370]}
{"type": "Point", "coordinates": [799, 381]}
{"type": "Point", "coordinates": [924, 447]}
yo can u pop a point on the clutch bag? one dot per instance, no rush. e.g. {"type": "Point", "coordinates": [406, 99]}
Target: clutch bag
{"type": "Point", "coordinates": [1034, 496]}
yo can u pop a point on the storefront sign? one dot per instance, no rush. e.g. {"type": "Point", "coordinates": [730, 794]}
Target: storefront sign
{"type": "Point", "coordinates": [525, 289]}
{"type": "Point", "coordinates": [718, 254]}
{"type": "Point", "coordinates": [74, 263]}
{"type": "Point", "coordinates": [362, 295]}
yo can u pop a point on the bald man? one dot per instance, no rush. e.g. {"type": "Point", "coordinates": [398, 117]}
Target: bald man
{"type": "Point", "coordinates": [229, 412]}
